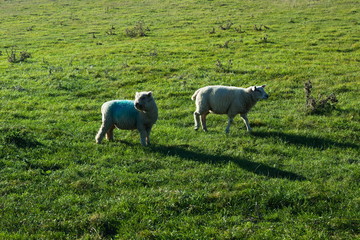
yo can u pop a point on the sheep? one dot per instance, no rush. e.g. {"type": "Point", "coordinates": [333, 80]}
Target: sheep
{"type": "Point", "coordinates": [226, 100]}
{"type": "Point", "coordinates": [140, 114]}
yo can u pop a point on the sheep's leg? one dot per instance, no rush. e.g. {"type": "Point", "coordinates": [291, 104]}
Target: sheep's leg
{"type": "Point", "coordinates": [105, 126]}
{"type": "Point", "coordinates": [143, 136]}
{"type": "Point", "coordinates": [110, 133]}
{"type": "Point", "coordinates": [246, 121]}
{"type": "Point", "coordinates": [203, 121]}
{"type": "Point", "coordinates": [230, 120]}
{"type": "Point", "coordinates": [197, 120]}
{"type": "Point", "coordinates": [148, 136]}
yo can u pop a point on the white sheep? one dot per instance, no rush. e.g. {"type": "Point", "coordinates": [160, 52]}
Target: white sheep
{"type": "Point", "coordinates": [226, 100]}
{"type": "Point", "coordinates": [140, 114]}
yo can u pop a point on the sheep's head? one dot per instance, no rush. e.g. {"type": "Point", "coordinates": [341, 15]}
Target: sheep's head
{"type": "Point", "coordinates": [143, 101]}
{"type": "Point", "coordinates": [259, 92]}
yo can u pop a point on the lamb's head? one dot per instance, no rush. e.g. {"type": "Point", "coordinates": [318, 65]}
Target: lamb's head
{"type": "Point", "coordinates": [144, 101]}
{"type": "Point", "coordinates": [259, 93]}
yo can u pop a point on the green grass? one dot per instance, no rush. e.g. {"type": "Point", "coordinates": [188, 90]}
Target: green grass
{"type": "Point", "coordinates": [295, 177]}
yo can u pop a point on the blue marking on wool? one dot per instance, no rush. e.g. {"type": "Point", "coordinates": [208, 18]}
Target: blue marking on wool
{"type": "Point", "coordinates": [125, 108]}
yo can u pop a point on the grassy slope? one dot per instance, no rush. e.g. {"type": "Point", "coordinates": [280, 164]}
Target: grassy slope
{"type": "Point", "coordinates": [296, 176]}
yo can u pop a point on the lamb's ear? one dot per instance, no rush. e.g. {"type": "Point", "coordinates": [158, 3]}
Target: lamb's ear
{"type": "Point", "coordinates": [149, 94]}
{"type": "Point", "coordinates": [253, 88]}
{"type": "Point", "coordinates": [263, 86]}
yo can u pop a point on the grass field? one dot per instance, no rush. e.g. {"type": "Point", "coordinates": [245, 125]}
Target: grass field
{"type": "Point", "coordinates": [296, 176]}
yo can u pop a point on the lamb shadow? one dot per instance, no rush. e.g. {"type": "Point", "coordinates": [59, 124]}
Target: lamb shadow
{"type": "Point", "coordinates": [257, 168]}
{"type": "Point", "coordinates": [308, 141]}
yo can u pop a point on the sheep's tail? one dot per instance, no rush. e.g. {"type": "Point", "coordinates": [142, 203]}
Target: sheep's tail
{"type": "Point", "coordinates": [195, 94]}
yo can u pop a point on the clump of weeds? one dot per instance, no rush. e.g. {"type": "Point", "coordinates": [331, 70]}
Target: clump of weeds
{"type": "Point", "coordinates": [15, 57]}
{"type": "Point", "coordinates": [225, 45]}
{"type": "Point", "coordinates": [225, 68]}
{"type": "Point", "coordinates": [226, 26]}
{"type": "Point", "coordinates": [321, 104]}
{"type": "Point", "coordinates": [139, 30]}
{"type": "Point", "coordinates": [239, 29]}
{"type": "Point", "coordinates": [260, 28]}
{"type": "Point", "coordinates": [264, 39]}
{"type": "Point", "coordinates": [111, 31]}
{"type": "Point", "coordinates": [212, 31]}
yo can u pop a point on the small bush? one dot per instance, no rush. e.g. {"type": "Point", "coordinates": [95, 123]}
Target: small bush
{"type": "Point", "coordinates": [320, 105]}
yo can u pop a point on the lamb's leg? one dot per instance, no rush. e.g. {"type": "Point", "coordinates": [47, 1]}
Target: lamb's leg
{"type": "Point", "coordinates": [148, 136]}
{"type": "Point", "coordinates": [197, 120]}
{"type": "Point", "coordinates": [143, 136]}
{"type": "Point", "coordinates": [110, 133]}
{"type": "Point", "coordinates": [230, 120]}
{"type": "Point", "coordinates": [203, 121]}
{"type": "Point", "coordinates": [246, 121]}
{"type": "Point", "coordinates": [105, 126]}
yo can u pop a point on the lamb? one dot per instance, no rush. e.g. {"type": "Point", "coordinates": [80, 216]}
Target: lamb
{"type": "Point", "coordinates": [140, 114]}
{"type": "Point", "coordinates": [226, 100]}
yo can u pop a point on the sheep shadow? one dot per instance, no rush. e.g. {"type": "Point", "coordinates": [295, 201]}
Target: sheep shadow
{"type": "Point", "coordinates": [307, 141]}
{"type": "Point", "coordinates": [254, 167]}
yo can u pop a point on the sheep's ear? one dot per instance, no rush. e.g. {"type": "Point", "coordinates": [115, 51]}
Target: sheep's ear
{"type": "Point", "coordinates": [149, 94]}
{"type": "Point", "coordinates": [263, 86]}
{"type": "Point", "coordinates": [253, 88]}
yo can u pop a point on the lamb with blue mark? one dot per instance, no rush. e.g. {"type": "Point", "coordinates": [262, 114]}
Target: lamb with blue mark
{"type": "Point", "coordinates": [140, 114]}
